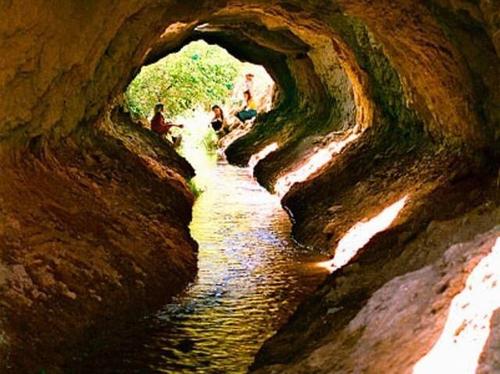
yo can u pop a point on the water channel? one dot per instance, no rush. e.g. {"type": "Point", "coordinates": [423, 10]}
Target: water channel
{"type": "Point", "coordinates": [251, 277]}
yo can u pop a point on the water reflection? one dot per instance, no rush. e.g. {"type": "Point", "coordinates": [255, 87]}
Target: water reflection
{"type": "Point", "coordinates": [251, 277]}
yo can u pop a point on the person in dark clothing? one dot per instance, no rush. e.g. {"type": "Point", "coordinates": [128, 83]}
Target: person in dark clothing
{"type": "Point", "coordinates": [218, 120]}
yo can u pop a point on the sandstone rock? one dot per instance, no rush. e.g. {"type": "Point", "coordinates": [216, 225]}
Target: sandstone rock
{"type": "Point", "coordinates": [418, 81]}
{"type": "Point", "coordinates": [75, 236]}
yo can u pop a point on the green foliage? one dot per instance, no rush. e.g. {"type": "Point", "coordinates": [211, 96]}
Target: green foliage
{"type": "Point", "coordinates": [200, 74]}
{"type": "Point", "coordinates": [210, 141]}
{"type": "Point", "coordinates": [195, 188]}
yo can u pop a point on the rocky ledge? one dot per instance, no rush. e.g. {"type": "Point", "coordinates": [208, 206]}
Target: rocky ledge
{"type": "Point", "coordinates": [93, 232]}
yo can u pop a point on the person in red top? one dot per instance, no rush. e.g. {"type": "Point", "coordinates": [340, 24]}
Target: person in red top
{"type": "Point", "coordinates": [162, 127]}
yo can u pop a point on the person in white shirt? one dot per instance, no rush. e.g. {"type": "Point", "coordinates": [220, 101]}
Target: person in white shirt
{"type": "Point", "coordinates": [249, 83]}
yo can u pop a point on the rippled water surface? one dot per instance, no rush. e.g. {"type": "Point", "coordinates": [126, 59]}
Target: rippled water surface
{"type": "Point", "coordinates": [251, 278]}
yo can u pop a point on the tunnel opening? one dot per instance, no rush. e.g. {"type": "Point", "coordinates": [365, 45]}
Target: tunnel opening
{"type": "Point", "coordinates": [375, 101]}
{"type": "Point", "coordinates": [197, 77]}
{"type": "Point", "coordinates": [251, 274]}
{"type": "Point", "coordinates": [190, 84]}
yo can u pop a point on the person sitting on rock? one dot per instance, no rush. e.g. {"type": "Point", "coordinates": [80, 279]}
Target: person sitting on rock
{"type": "Point", "coordinates": [218, 122]}
{"type": "Point", "coordinates": [161, 127]}
{"type": "Point", "coordinates": [250, 109]}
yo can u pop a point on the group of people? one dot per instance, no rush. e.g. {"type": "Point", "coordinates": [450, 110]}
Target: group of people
{"type": "Point", "coordinates": [162, 127]}
{"type": "Point", "coordinates": [248, 112]}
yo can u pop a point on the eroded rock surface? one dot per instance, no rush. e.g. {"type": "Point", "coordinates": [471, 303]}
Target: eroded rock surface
{"type": "Point", "coordinates": [403, 319]}
{"type": "Point", "coordinates": [92, 231]}
{"type": "Point", "coordinates": [415, 83]}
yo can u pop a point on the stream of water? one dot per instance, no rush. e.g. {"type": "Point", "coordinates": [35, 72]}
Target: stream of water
{"type": "Point", "coordinates": [251, 277]}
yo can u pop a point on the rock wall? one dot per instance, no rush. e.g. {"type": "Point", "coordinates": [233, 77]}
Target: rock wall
{"type": "Point", "coordinates": [85, 212]}
{"type": "Point", "coordinates": [91, 232]}
{"type": "Point", "coordinates": [437, 76]}
{"type": "Point", "coordinates": [404, 318]}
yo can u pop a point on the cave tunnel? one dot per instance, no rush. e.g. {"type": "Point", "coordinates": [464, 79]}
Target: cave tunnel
{"type": "Point", "coordinates": [399, 100]}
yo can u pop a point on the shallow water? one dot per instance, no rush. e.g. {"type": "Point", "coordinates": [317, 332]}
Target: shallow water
{"type": "Point", "coordinates": [251, 277]}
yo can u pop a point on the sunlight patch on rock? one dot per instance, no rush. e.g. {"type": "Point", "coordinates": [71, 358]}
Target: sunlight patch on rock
{"type": "Point", "coordinates": [468, 325]}
{"type": "Point", "coordinates": [361, 233]}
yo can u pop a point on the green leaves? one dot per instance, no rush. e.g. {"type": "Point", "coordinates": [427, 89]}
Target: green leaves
{"type": "Point", "coordinates": [200, 74]}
